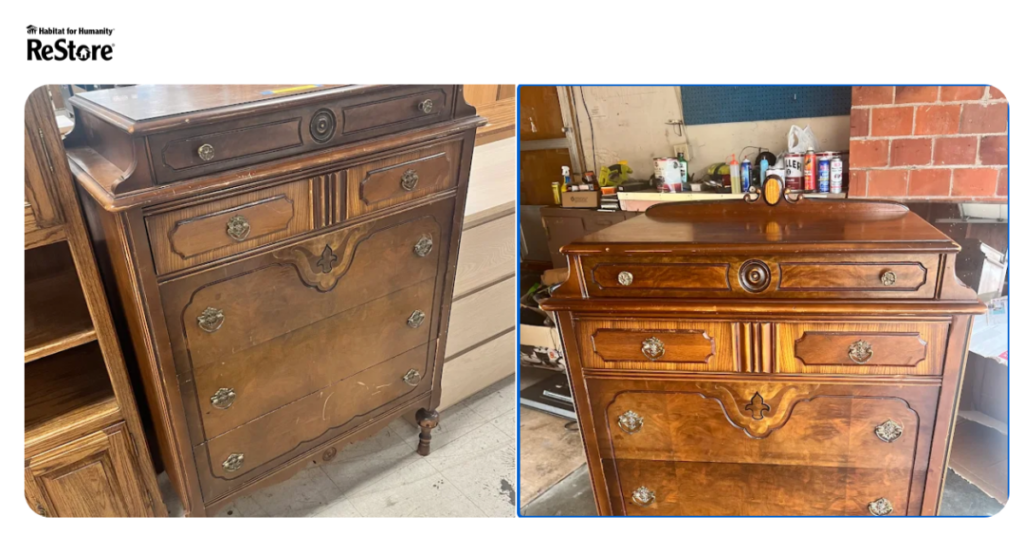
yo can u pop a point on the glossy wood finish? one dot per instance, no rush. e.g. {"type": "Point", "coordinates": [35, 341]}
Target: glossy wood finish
{"type": "Point", "coordinates": [836, 387]}
{"type": "Point", "coordinates": [383, 183]}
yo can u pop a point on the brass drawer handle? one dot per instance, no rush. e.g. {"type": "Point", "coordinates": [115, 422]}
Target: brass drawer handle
{"type": "Point", "coordinates": [412, 377]}
{"type": "Point", "coordinates": [630, 422]}
{"type": "Point", "coordinates": [860, 352]}
{"type": "Point", "coordinates": [889, 431]}
{"type": "Point", "coordinates": [211, 319]}
{"type": "Point", "coordinates": [206, 152]}
{"type": "Point", "coordinates": [234, 462]}
{"type": "Point", "coordinates": [410, 179]}
{"type": "Point", "coordinates": [880, 507]}
{"type": "Point", "coordinates": [223, 398]}
{"type": "Point", "coordinates": [423, 246]}
{"type": "Point", "coordinates": [643, 496]}
{"type": "Point", "coordinates": [426, 106]}
{"type": "Point", "coordinates": [238, 228]}
{"type": "Point", "coordinates": [416, 319]}
{"type": "Point", "coordinates": [625, 278]}
{"type": "Point", "coordinates": [888, 278]}
{"type": "Point", "coordinates": [653, 348]}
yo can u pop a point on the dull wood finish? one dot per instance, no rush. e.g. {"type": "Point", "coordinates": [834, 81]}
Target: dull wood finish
{"type": "Point", "coordinates": [273, 258]}
{"type": "Point", "coordinates": [839, 333]}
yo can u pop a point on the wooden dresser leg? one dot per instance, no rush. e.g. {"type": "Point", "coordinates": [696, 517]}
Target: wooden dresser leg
{"type": "Point", "coordinates": [427, 419]}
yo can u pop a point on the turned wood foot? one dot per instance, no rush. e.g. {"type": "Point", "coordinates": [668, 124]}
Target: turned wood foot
{"type": "Point", "coordinates": [427, 419]}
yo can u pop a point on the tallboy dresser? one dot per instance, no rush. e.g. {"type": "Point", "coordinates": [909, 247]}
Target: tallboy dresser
{"type": "Point", "coordinates": [766, 356]}
{"type": "Point", "coordinates": [284, 260]}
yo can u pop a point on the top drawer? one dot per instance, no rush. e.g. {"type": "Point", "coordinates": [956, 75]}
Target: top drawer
{"type": "Point", "coordinates": [819, 276]}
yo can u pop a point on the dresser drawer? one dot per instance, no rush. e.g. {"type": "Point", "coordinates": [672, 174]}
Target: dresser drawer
{"type": "Point", "coordinates": [331, 411]}
{"type": "Point", "coordinates": [249, 383]}
{"type": "Point", "coordinates": [183, 238]}
{"type": "Point", "coordinates": [861, 348]}
{"type": "Point", "coordinates": [696, 346]}
{"type": "Point", "coordinates": [402, 177]}
{"type": "Point", "coordinates": [219, 146]}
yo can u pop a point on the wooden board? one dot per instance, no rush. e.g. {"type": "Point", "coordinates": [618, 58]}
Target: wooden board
{"type": "Point", "coordinates": [482, 315]}
{"type": "Point", "coordinates": [481, 367]}
{"type": "Point", "coordinates": [487, 255]}
{"type": "Point", "coordinates": [56, 316]}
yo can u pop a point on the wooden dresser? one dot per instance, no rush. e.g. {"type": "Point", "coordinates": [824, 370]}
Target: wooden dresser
{"type": "Point", "coordinates": [766, 357]}
{"type": "Point", "coordinates": [284, 259]}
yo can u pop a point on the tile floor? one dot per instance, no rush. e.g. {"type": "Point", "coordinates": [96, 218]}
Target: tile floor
{"type": "Point", "coordinates": [470, 472]}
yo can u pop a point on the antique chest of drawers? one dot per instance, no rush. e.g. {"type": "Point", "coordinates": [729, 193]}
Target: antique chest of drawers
{"type": "Point", "coordinates": [283, 259]}
{"type": "Point", "coordinates": [766, 356]}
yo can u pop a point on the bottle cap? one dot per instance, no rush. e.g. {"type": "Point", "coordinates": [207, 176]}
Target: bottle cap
{"type": "Point", "coordinates": [733, 161]}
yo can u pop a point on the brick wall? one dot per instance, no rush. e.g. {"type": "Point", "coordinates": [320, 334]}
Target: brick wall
{"type": "Point", "coordinates": [928, 142]}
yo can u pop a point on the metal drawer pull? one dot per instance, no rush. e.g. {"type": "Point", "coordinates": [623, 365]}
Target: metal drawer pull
{"type": "Point", "coordinates": [412, 377]}
{"type": "Point", "coordinates": [223, 398]}
{"type": "Point", "coordinates": [206, 152]}
{"type": "Point", "coordinates": [643, 496]}
{"type": "Point", "coordinates": [423, 246]}
{"type": "Point", "coordinates": [880, 507]}
{"type": "Point", "coordinates": [427, 106]}
{"type": "Point", "coordinates": [410, 179]}
{"type": "Point", "coordinates": [630, 422]}
{"type": "Point", "coordinates": [211, 319]}
{"type": "Point", "coordinates": [889, 431]}
{"type": "Point", "coordinates": [238, 228]}
{"type": "Point", "coordinates": [860, 352]}
{"type": "Point", "coordinates": [625, 278]}
{"type": "Point", "coordinates": [888, 278]}
{"type": "Point", "coordinates": [416, 319]}
{"type": "Point", "coordinates": [234, 462]}
{"type": "Point", "coordinates": [653, 348]}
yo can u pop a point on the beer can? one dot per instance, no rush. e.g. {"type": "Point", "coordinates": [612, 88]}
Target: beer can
{"type": "Point", "coordinates": [836, 171]}
{"type": "Point", "coordinates": [823, 171]}
{"type": "Point", "coordinates": [810, 170]}
{"type": "Point", "coordinates": [794, 163]}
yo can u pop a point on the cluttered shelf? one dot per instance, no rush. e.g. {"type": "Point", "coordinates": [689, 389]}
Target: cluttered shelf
{"type": "Point", "coordinates": [56, 315]}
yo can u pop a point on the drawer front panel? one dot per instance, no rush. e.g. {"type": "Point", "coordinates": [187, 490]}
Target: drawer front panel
{"type": "Point", "coordinates": [187, 237]}
{"type": "Point", "coordinates": [417, 108]}
{"type": "Point", "coordinates": [331, 411]}
{"type": "Point", "coordinates": [716, 489]}
{"type": "Point", "coordinates": [861, 348]}
{"type": "Point", "coordinates": [897, 277]}
{"type": "Point", "coordinates": [257, 380]}
{"type": "Point", "coordinates": [696, 346]}
{"type": "Point", "coordinates": [402, 177]}
{"type": "Point", "coordinates": [223, 146]}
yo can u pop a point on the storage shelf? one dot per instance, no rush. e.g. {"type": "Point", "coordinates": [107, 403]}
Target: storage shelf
{"type": "Point", "coordinates": [56, 316]}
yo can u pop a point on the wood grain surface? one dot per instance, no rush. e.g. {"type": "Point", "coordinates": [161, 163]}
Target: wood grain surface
{"type": "Point", "coordinates": [378, 184]}
{"type": "Point", "coordinates": [689, 346]}
{"type": "Point", "coordinates": [824, 348]}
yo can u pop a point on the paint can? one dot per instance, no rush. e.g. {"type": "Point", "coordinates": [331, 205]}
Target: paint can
{"type": "Point", "coordinates": [794, 170]}
{"type": "Point", "coordinates": [667, 170]}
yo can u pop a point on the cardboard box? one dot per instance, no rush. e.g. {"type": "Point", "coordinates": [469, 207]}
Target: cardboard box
{"type": "Point", "coordinates": [581, 199]}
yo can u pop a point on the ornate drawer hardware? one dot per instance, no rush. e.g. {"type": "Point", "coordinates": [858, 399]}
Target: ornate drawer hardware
{"type": "Point", "coordinates": [410, 179]}
{"type": "Point", "coordinates": [211, 319]}
{"type": "Point", "coordinates": [653, 348]}
{"type": "Point", "coordinates": [329, 454]}
{"type": "Point", "coordinates": [223, 398]}
{"type": "Point", "coordinates": [426, 106]}
{"type": "Point", "coordinates": [757, 407]}
{"type": "Point", "coordinates": [234, 462]}
{"type": "Point", "coordinates": [889, 431]}
{"type": "Point", "coordinates": [888, 278]}
{"type": "Point", "coordinates": [206, 152]}
{"type": "Point", "coordinates": [238, 228]}
{"type": "Point", "coordinates": [416, 319]}
{"type": "Point", "coordinates": [860, 352]}
{"type": "Point", "coordinates": [880, 507]}
{"type": "Point", "coordinates": [327, 259]}
{"type": "Point", "coordinates": [412, 377]}
{"type": "Point", "coordinates": [630, 422]}
{"type": "Point", "coordinates": [625, 278]}
{"type": "Point", "coordinates": [321, 125]}
{"type": "Point", "coordinates": [755, 276]}
{"type": "Point", "coordinates": [423, 246]}
{"type": "Point", "coordinates": [643, 496]}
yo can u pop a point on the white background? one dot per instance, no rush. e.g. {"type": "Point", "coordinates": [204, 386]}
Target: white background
{"type": "Point", "coordinates": [521, 42]}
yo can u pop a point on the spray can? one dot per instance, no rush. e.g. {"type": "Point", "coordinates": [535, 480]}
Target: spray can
{"type": "Point", "coordinates": [823, 171]}
{"type": "Point", "coordinates": [734, 175]}
{"type": "Point", "coordinates": [810, 170]}
{"type": "Point", "coordinates": [836, 169]}
{"type": "Point", "coordinates": [745, 174]}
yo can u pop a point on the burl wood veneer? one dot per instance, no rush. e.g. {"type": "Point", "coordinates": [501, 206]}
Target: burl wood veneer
{"type": "Point", "coordinates": [284, 260]}
{"type": "Point", "coordinates": [766, 356]}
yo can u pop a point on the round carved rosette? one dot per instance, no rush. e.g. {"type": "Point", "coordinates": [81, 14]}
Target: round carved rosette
{"type": "Point", "coordinates": [755, 276]}
{"type": "Point", "coordinates": [321, 125]}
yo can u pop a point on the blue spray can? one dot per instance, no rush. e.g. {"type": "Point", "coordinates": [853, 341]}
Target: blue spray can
{"type": "Point", "coordinates": [745, 174]}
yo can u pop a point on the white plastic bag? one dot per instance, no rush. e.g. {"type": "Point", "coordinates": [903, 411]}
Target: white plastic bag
{"type": "Point", "coordinates": [801, 140]}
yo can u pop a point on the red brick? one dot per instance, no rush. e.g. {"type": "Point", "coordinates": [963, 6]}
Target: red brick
{"type": "Point", "coordinates": [974, 182]}
{"type": "Point", "coordinates": [887, 183]}
{"type": "Point", "coordinates": [916, 94]}
{"type": "Point", "coordinates": [984, 118]}
{"type": "Point", "coordinates": [869, 153]}
{"type": "Point", "coordinates": [937, 120]}
{"type": "Point", "coordinates": [859, 118]}
{"type": "Point", "coordinates": [1002, 186]}
{"type": "Point", "coordinates": [911, 151]}
{"type": "Point", "coordinates": [929, 182]}
{"type": "Point", "coordinates": [957, 150]}
{"type": "Point", "coordinates": [962, 93]}
{"type": "Point", "coordinates": [858, 183]}
{"type": "Point", "coordinates": [995, 93]}
{"type": "Point", "coordinates": [896, 121]}
{"type": "Point", "coordinates": [992, 150]}
{"type": "Point", "coordinates": [872, 95]}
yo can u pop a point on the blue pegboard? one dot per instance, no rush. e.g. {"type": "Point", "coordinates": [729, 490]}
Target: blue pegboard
{"type": "Point", "coordinates": [727, 104]}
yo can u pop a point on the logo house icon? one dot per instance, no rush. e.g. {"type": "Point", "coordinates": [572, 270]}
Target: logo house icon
{"type": "Point", "coordinates": [32, 30]}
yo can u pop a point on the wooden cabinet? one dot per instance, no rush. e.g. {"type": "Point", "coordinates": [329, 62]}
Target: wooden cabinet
{"type": "Point", "coordinates": [745, 358]}
{"type": "Point", "coordinates": [563, 226]}
{"type": "Point", "coordinates": [285, 264]}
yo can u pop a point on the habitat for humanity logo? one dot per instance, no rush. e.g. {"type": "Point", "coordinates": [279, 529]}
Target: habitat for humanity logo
{"type": "Point", "coordinates": [66, 49]}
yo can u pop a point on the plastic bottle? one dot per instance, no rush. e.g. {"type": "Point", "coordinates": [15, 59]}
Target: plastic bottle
{"type": "Point", "coordinates": [734, 175]}
{"type": "Point", "coordinates": [764, 170]}
{"type": "Point", "coordinates": [683, 166]}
